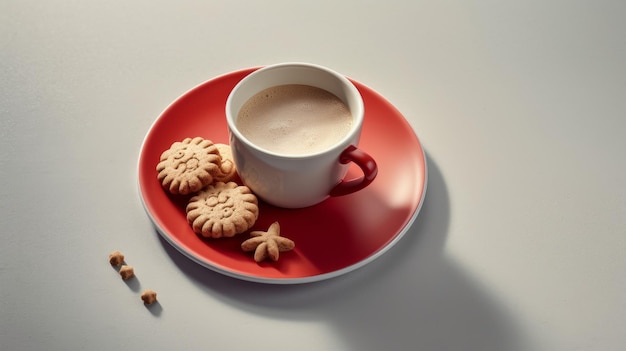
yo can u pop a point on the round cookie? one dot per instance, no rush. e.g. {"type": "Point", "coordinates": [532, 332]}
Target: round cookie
{"type": "Point", "coordinates": [222, 210]}
{"type": "Point", "coordinates": [227, 167]}
{"type": "Point", "coordinates": [188, 166]}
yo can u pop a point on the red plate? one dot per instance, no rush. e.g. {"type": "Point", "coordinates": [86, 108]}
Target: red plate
{"type": "Point", "coordinates": [334, 237]}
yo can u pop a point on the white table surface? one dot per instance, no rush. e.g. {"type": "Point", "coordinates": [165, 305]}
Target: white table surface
{"type": "Point", "coordinates": [520, 244]}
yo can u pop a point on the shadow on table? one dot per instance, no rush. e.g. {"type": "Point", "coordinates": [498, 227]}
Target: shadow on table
{"type": "Point", "coordinates": [376, 307]}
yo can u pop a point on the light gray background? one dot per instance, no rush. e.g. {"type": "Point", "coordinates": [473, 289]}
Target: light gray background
{"type": "Point", "coordinates": [520, 105]}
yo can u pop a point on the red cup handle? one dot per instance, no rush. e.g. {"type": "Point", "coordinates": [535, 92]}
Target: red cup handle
{"type": "Point", "coordinates": [367, 165]}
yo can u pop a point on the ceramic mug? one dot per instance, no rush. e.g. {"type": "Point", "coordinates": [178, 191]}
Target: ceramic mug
{"type": "Point", "coordinates": [296, 181]}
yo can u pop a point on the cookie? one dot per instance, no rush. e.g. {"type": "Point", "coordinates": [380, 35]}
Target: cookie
{"type": "Point", "coordinates": [222, 210]}
{"type": "Point", "coordinates": [188, 166]}
{"type": "Point", "coordinates": [267, 244]}
{"type": "Point", "coordinates": [227, 167]}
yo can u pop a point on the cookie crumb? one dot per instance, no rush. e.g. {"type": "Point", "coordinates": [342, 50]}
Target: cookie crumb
{"type": "Point", "coordinates": [149, 296]}
{"type": "Point", "coordinates": [116, 258]}
{"type": "Point", "coordinates": [127, 272]}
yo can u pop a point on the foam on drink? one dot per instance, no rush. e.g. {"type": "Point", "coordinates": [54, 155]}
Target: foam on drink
{"type": "Point", "coordinates": [294, 119]}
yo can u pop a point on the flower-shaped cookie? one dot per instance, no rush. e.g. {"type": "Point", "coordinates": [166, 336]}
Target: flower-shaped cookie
{"type": "Point", "coordinates": [267, 244]}
{"type": "Point", "coordinates": [222, 210]}
{"type": "Point", "coordinates": [228, 170]}
{"type": "Point", "coordinates": [188, 166]}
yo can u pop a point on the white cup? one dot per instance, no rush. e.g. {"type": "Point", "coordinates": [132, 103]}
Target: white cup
{"type": "Point", "coordinates": [303, 180]}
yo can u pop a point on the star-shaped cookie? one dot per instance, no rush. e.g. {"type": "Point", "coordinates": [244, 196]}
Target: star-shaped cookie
{"type": "Point", "coordinates": [267, 244]}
